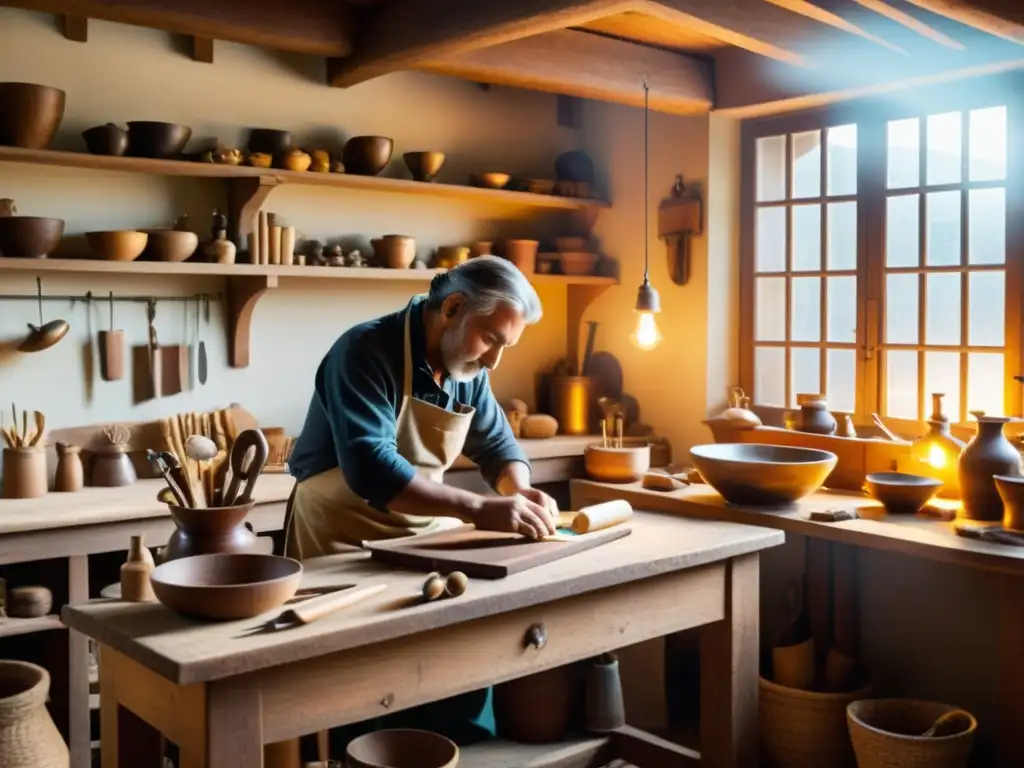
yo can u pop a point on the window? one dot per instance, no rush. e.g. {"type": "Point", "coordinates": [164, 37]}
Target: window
{"type": "Point", "coordinates": [878, 262]}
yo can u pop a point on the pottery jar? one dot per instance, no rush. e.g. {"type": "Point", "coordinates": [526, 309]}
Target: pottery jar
{"type": "Point", "coordinates": [220, 250]}
{"type": "Point", "coordinates": [28, 736]}
{"type": "Point", "coordinates": [988, 454]}
{"type": "Point", "coordinates": [112, 468]}
{"type": "Point", "coordinates": [135, 586]}
{"type": "Point", "coordinates": [70, 476]}
{"type": "Point", "coordinates": [815, 417]}
{"type": "Point", "coordinates": [209, 531]}
{"type": "Point", "coordinates": [24, 473]}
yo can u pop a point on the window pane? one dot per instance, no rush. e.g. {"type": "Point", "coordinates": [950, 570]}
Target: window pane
{"type": "Point", "coordinates": [904, 153]}
{"type": "Point", "coordinates": [901, 384]}
{"type": "Point", "coordinates": [945, 145]}
{"type": "Point", "coordinates": [807, 164]}
{"type": "Point", "coordinates": [842, 309]}
{"type": "Point", "coordinates": [842, 379]}
{"type": "Point", "coordinates": [942, 374]}
{"type": "Point", "coordinates": [770, 245]}
{"type": "Point", "coordinates": [942, 310]}
{"type": "Point", "coordinates": [986, 307]}
{"type": "Point", "coordinates": [986, 231]}
{"type": "Point", "coordinates": [901, 315]}
{"type": "Point", "coordinates": [842, 160]}
{"type": "Point", "coordinates": [987, 144]}
{"type": "Point", "coordinates": [806, 372]}
{"type": "Point", "coordinates": [770, 376]}
{"type": "Point", "coordinates": [806, 314]}
{"type": "Point", "coordinates": [902, 231]}
{"type": "Point", "coordinates": [942, 238]}
{"type": "Point", "coordinates": [985, 383]}
{"type": "Point", "coordinates": [806, 238]}
{"type": "Point", "coordinates": [770, 304]}
{"type": "Point", "coordinates": [771, 168]}
{"type": "Point", "coordinates": [842, 235]}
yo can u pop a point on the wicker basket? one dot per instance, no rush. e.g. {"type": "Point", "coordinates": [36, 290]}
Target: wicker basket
{"type": "Point", "coordinates": [805, 729]}
{"type": "Point", "coordinates": [28, 737]}
{"type": "Point", "coordinates": [879, 728]}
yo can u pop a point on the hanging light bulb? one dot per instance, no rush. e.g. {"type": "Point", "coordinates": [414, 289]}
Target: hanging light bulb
{"type": "Point", "coordinates": [648, 303]}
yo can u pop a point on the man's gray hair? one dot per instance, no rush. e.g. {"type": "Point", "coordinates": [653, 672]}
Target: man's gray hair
{"type": "Point", "coordinates": [486, 282]}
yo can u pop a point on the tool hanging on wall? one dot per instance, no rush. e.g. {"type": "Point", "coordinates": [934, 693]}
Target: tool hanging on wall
{"type": "Point", "coordinates": [146, 361]}
{"type": "Point", "coordinates": [680, 216]}
{"type": "Point", "coordinates": [111, 349]}
{"type": "Point", "coordinates": [44, 335]}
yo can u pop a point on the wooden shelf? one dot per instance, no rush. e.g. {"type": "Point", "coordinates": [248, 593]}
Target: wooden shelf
{"type": "Point", "coordinates": [274, 176]}
{"type": "Point", "coordinates": [11, 627]}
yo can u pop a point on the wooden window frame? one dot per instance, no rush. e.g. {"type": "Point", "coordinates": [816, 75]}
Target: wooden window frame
{"type": "Point", "coordinates": [871, 118]}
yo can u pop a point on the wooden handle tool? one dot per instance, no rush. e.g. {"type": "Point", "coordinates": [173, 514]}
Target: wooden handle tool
{"type": "Point", "coordinates": [318, 607]}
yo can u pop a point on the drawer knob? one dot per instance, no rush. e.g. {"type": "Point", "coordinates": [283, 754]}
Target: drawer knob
{"type": "Point", "coordinates": [536, 636]}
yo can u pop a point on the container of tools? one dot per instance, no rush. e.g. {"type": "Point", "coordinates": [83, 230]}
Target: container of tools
{"type": "Point", "coordinates": [614, 462]}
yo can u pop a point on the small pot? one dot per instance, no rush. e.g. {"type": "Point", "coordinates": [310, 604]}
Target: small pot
{"type": "Point", "coordinates": [522, 253]}
{"type": "Point", "coordinates": [24, 473]}
{"type": "Point", "coordinates": [395, 251]}
{"type": "Point", "coordinates": [112, 468]}
{"type": "Point", "coordinates": [449, 256]}
{"type": "Point", "coordinates": [815, 417]}
{"type": "Point", "coordinates": [209, 531]}
{"type": "Point", "coordinates": [106, 139]}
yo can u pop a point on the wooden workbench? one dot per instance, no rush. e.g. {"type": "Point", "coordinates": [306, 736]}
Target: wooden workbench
{"type": "Point", "coordinates": [874, 529]}
{"type": "Point", "coordinates": [222, 691]}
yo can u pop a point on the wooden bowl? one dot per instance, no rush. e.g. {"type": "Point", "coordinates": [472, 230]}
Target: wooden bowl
{"type": "Point", "coordinates": [491, 180]}
{"type": "Point", "coordinates": [367, 155]}
{"type": "Point", "coordinates": [395, 251]}
{"type": "Point", "coordinates": [402, 748]}
{"type": "Point", "coordinates": [170, 245]}
{"type": "Point", "coordinates": [118, 244]}
{"type": "Point", "coordinates": [106, 139]}
{"type": "Point", "coordinates": [756, 475]}
{"type": "Point", "coordinates": [617, 465]}
{"type": "Point", "coordinates": [29, 114]}
{"type": "Point", "coordinates": [162, 141]}
{"type": "Point", "coordinates": [578, 263]}
{"type": "Point", "coordinates": [225, 587]}
{"type": "Point", "coordinates": [272, 142]}
{"type": "Point", "coordinates": [424, 166]}
{"type": "Point", "coordinates": [29, 237]}
{"type": "Point", "coordinates": [901, 493]}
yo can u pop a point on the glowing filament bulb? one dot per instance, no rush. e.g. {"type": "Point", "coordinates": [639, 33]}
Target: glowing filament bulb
{"type": "Point", "coordinates": [647, 334]}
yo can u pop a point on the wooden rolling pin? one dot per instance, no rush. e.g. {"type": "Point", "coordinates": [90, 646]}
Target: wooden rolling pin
{"type": "Point", "coordinates": [600, 516]}
{"type": "Point", "coordinates": [318, 607]}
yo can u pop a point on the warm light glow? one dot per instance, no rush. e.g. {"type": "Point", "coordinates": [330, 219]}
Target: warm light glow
{"type": "Point", "coordinates": [936, 456]}
{"type": "Point", "coordinates": [647, 334]}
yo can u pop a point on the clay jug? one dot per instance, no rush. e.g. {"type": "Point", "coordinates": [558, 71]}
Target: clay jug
{"type": "Point", "coordinates": [28, 736]}
{"type": "Point", "coordinates": [220, 250]}
{"type": "Point", "coordinates": [209, 531]}
{"type": "Point", "coordinates": [135, 586]}
{"type": "Point", "coordinates": [69, 476]}
{"type": "Point", "coordinates": [988, 454]}
{"type": "Point", "coordinates": [815, 417]}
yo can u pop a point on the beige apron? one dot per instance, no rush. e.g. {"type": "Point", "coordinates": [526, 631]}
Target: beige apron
{"type": "Point", "coordinates": [327, 514]}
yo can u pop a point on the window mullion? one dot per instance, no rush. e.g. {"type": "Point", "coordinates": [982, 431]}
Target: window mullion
{"type": "Point", "coordinates": [870, 264]}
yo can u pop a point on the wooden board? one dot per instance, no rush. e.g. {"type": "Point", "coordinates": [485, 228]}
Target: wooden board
{"type": "Point", "coordinates": [484, 554]}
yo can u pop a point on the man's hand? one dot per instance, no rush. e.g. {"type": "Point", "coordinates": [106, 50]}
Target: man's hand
{"type": "Point", "coordinates": [515, 514]}
{"type": "Point", "coordinates": [541, 499]}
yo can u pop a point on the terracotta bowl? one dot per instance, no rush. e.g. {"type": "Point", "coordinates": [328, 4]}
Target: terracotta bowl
{"type": "Point", "coordinates": [491, 180]}
{"type": "Point", "coordinates": [170, 245]}
{"type": "Point", "coordinates": [755, 475]}
{"type": "Point", "coordinates": [117, 245]}
{"type": "Point", "coordinates": [225, 587]}
{"type": "Point", "coordinates": [424, 166]}
{"type": "Point", "coordinates": [617, 465]}
{"type": "Point", "coordinates": [402, 748]}
{"type": "Point", "coordinates": [395, 251]}
{"type": "Point", "coordinates": [901, 493]}
{"type": "Point", "coordinates": [106, 139]}
{"type": "Point", "coordinates": [367, 155]}
{"type": "Point", "coordinates": [29, 114]}
{"type": "Point", "coordinates": [163, 141]}
{"type": "Point", "coordinates": [578, 263]}
{"type": "Point", "coordinates": [29, 237]}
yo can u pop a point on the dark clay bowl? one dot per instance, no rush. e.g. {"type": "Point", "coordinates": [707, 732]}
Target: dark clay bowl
{"type": "Point", "coordinates": [402, 748]}
{"type": "Point", "coordinates": [367, 155]}
{"type": "Point", "coordinates": [29, 237]}
{"type": "Point", "coordinates": [755, 475]}
{"type": "Point", "coordinates": [225, 587]}
{"type": "Point", "coordinates": [106, 139]}
{"type": "Point", "coordinates": [424, 166]}
{"type": "Point", "coordinates": [901, 493]}
{"type": "Point", "coordinates": [163, 141]}
{"type": "Point", "coordinates": [29, 114]}
{"type": "Point", "coordinates": [270, 141]}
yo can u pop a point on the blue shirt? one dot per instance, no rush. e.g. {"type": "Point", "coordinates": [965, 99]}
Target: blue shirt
{"type": "Point", "coordinates": [352, 418]}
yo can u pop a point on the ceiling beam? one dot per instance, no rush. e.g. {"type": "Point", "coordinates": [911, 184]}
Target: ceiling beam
{"type": "Point", "coordinates": [824, 16]}
{"type": "Point", "coordinates": [591, 66]}
{"type": "Point", "coordinates": [405, 33]}
{"type": "Point", "coordinates": [1002, 18]}
{"type": "Point", "coordinates": [301, 26]}
{"type": "Point", "coordinates": [911, 22]}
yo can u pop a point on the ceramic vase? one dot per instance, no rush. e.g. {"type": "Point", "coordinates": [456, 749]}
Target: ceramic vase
{"type": "Point", "coordinates": [209, 531]}
{"type": "Point", "coordinates": [605, 709]}
{"type": "Point", "coordinates": [815, 417]}
{"type": "Point", "coordinates": [988, 454]}
{"type": "Point", "coordinates": [220, 250]}
{"type": "Point", "coordinates": [28, 736]}
{"type": "Point", "coordinates": [135, 586]}
{"type": "Point", "coordinates": [69, 476]}
{"type": "Point", "coordinates": [113, 468]}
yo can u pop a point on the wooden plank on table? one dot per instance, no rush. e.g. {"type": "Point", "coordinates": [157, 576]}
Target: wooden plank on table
{"type": "Point", "coordinates": [184, 651]}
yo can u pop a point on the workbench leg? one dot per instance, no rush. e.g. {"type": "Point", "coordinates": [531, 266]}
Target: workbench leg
{"type": "Point", "coordinates": [729, 658]}
{"type": "Point", "coordinates": [126, 740]}
{"type": "Point", "coordinates": [234, 728]}
{"type": "Point", "coordinates": [1009, 734]}
{"type": "Point", "coordinates": [79, 735]}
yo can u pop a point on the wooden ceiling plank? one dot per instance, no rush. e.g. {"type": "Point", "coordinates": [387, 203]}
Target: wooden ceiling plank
{"type": "Point", "coordinates": [300, 26]}
{"type": "Point", "coordinates": [823, 16]}
{"type": "Point", "coordinates": [202, 49]}
{"type": "Point", "coordinates": [577, 63]}
{"type": "Point", "coordinates": [911, 22]}
{"type": "Point", "coordinates": [404, 33]}
{"type": "Point", "coordinates": [75, 28]}
{"type": "Point", "coordinates": [1001, 18]}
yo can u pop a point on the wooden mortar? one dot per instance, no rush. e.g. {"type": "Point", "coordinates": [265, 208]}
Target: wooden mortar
{"type": "Point", "coordinates": [617, 465]}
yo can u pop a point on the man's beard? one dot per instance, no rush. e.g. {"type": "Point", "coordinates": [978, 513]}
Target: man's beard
{"type": "Point", "coordinates": [452, 341]}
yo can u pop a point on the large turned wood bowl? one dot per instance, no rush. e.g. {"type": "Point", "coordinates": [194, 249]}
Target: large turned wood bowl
{"type": "Point", "coordinates": [756, 475]}
{"type": "Point", "coordinates": [29, 237]}
{"type": "Point", "coordinates": [367, 155]}
{"type": "Point", "coordinates": [226, 587]}
{"type": "Point", "coordinates": [402, 748]}
{"type": "Point", "coordinates": [29, 114]}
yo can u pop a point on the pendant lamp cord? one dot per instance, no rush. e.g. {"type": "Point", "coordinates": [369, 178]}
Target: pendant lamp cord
{"type": "Point", "coordinates": [646, 223]}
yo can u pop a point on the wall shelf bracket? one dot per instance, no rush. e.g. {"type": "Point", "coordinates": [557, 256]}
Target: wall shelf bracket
{"type": "Point", "coordinates": [246, 196]}
{"type": "Point", "coordinates": [243, 293]}
{"type": "Point", "coordinates": [578, 299]}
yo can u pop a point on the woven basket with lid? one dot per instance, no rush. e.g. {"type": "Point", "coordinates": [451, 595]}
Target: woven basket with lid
{"type": "Point", "coordinates": [28, 737]}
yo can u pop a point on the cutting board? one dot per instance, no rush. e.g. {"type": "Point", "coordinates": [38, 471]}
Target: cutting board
{"type": "Point", "coordinates": [484, 554]}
